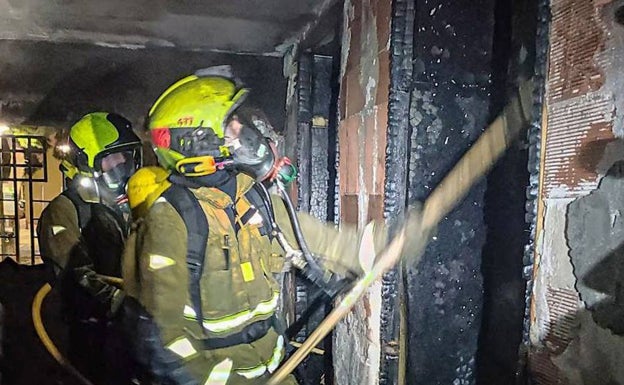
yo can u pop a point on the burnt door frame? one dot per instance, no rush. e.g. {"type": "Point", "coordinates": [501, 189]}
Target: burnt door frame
{"type": "Point", "coordinates": [312, 140]}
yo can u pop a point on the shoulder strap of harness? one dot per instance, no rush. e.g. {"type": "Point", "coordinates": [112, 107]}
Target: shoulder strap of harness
{"type": "Point", "coordinates": [83, 208]}
{"type": "Point", "coordinates": [264, 208]}
{"type": "Point", "coordinates": [187, 206]}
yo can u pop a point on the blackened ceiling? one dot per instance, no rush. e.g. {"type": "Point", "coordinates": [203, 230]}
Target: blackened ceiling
{"type": "Point", "coordinates": [249, 26]}
{"type": "Point", "coordinates": [52, 84]}
{"type": "Point", "coordinates": [60, 59]}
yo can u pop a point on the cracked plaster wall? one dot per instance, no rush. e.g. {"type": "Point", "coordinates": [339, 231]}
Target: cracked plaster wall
{"type": "Point", "coordinates": [577, 299]}
{"type": "Point", "coordinates": [595, 235]}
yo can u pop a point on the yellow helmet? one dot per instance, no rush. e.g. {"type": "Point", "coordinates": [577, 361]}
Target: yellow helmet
{"type": "Point", "coordinates": [144, 187]}
{"type": "Point", "coordinates": [103, 153]}
{"type": "Point", "coordinates": [187, 122]}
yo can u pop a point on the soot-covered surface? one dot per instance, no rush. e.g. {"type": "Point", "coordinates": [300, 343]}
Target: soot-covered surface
{"type": "Point", "coordinates": [55, 84]}
{"type": "Point", "coordinates": [594, 233]}
{"type": "Point", "coordinates": [449, 110]}
{"type": "Point", "coordinates": [514, 58]}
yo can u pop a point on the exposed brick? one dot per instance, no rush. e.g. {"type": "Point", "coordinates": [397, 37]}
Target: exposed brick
{"type": "Point", "coordinates": [380, 160]}
{"type": "Point", "coordinates": [349, 209]}
{"type": "Point", "coordinates": [382, 9]}
{"type": "Point", "coordinates": [383, 80]}
{"type": "Point", "coordinates": [577, 37]}
{"type": "Point", "coordinates": [355, 95]}
{"type": "Point", "coordinates": [575, 143]}
{"type": "Point", "coordinates": [342, 99]}
{"type": "Point", "coordinates": [375, 207]}
{"type": "Point", "coordinates": [349, 155]}
{"type": "Point", "coordinates": [370, 142]}
{"type": "Point", "coordinates": [600, 3]}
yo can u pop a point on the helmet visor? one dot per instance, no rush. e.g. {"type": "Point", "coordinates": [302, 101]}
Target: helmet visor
{"type": "Point", "coordinates": [116, 168]}
{"type": "Point", "coordinates": [250, 150]}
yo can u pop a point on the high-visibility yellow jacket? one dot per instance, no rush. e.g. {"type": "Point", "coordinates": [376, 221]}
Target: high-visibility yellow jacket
{"type": "Point", "coordinates": [238, 292]}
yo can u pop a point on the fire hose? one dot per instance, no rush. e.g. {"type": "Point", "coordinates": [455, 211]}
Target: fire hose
{"type": "Point", "coordinates": [45, 338]}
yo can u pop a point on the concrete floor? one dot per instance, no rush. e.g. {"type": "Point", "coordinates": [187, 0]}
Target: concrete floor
{"type": "Point", "coordinates": [25, 361]}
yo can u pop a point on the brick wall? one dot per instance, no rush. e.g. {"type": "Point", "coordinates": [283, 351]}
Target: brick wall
{"type": "Point", "coordinates": [365, 76]}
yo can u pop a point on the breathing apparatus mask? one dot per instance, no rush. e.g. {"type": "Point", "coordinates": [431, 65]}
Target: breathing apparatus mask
{"type": "Point", "coordinates": [253, 153]}
{"type": "Point", "coordinates": [107, 184]}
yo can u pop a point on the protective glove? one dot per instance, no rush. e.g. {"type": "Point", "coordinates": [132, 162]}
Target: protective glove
{"type": "Point", "coordinates": [108, 296]}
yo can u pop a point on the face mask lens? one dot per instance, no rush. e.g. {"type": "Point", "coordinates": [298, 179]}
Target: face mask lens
{"type": "Point", "coordinates": [87, 189]}
{"type": "Point", "coordinates": [117, 169]}
{"type": "Point", "coordinates": [250, 149]}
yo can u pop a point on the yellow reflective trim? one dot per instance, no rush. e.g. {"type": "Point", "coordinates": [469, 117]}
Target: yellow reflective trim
{"type": "Point", "coordinates": [220, 373]}
{"type": "Point", "coordinates": [160, 200]}
{"type": "Point", "coordinates": [270, 366]}
{"type": "Point", "coordinates": [256, 219]}
{"type": "Point", "coordinates": [229, 322]}
{"type": "Point", "coordinates": [157, 262]}
{"type": "Point", "coordinates": [57, 229]}
{"type": "Point", "coordinates": [233, 321]}
{"type": "Point", "coordinates": [248, 274]}
{"type": "Point", "coordinates": [182, 347]}
{"type": "Point", "coordinates": [253, 372]}
{"type": "Point", "coordinates": [189, 312]}
{"type": "Point", "coordinates": [277, 355]}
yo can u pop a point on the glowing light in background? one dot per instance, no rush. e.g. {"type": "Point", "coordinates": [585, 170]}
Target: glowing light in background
{"type": "Point", "coordinates": [64, 148]}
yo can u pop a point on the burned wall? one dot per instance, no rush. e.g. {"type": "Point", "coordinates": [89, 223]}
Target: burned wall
{"type": "Point", "coordinates": [575, 332]}
{"type": "Point", "coordinates": [511, 194]}
{"type": "Point", "coordinates": [314, 135]}
{"type": "Point", "coordinates": [449, 109]}
{"type": "Point", "coordinates": [595, 234]}
{"type": "Point", "coordinates": [594, 346]}
{"type": "Point", "coordinates": [445, 79]}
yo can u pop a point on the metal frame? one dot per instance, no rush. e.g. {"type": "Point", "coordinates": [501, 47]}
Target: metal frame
{"type": "Point", "coordinates": [14, 166]}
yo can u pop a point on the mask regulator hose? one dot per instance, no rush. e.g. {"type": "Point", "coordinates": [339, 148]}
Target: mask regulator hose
{"type": "Point", "coordinates": [303, 259]}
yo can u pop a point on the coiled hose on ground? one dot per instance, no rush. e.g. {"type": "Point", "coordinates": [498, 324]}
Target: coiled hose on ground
{"type": "Point", "coordinates": [45, 338]}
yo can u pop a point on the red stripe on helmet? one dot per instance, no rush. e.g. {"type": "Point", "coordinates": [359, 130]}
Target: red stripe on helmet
{"type": "Point", "coordinates": [161, 137]}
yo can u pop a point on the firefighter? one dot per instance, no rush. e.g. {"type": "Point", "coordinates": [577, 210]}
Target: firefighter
{"type": "Point", "coordinates": [201, 297]}
{"type": "Point", "coordinates": [82, 234]}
